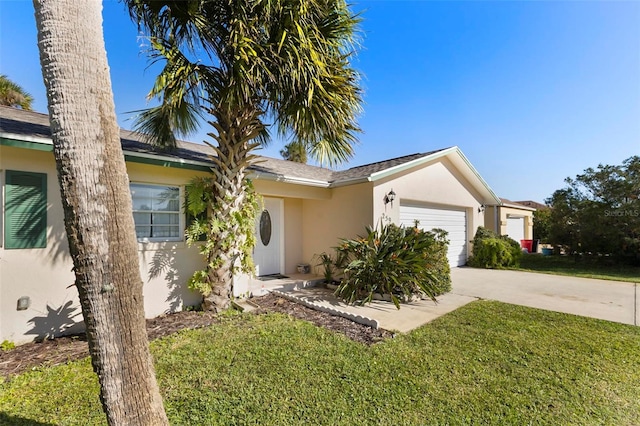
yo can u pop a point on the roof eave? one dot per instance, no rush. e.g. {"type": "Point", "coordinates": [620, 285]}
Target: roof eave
{"type": "Point", "coordinates": [489, 197]}
{"type": "Point", "coordinates": [350, 181]}
{"type": "Point", "coordinates": [518, 206]}
{"type": "Point", "coordinates": [48, 142]}
{"type": "Point", "coordinates": [288, 179]}
{"type": "Point", "coordinates": [26, 138]}
{"type": "Point", "coordinates": [410, 164]}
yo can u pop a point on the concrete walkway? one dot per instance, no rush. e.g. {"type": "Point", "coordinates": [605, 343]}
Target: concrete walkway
{"type": "Point", "coordinates": [379, 314]}
{"type": "Point", "coordinates": [609, 300]}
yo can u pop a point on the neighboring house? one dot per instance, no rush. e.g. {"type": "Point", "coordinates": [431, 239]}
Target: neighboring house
{"type": "Point", "coordinates": [310, 209]}
{"type": "Point", "coordinates": [534, 204]}
{"type": "Point", "coordinates": [510, 218]}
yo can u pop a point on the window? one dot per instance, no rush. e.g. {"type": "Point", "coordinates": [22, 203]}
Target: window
{"type": "Point", "coordinates": [25, 210]}
{"type": "Point", "coordinates": [156, 211]}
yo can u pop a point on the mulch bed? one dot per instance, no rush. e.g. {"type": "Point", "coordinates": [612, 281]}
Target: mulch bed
{"type": "Point", "coordinates": [353, 330]}
{"type": "Point", "coordinates": [69, 348]}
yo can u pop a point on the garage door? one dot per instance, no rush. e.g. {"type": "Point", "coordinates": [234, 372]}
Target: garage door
{"type": "Point", "coordinates": [515, 228]}
{"type": "Point", "coordinates": [452, 221]}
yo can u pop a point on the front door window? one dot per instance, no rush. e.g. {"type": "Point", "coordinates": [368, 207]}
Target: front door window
{"type": "Point", "coordinates": [265, 227]}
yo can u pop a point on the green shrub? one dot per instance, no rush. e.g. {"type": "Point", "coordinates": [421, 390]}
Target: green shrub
{"type": "Point", "coordinates": [7, 345]}
{"type": "Point", "coordinates": [492, 251]}
{"type": "Point", "coordinates": [438, 262]}
{"type": "Point", "coordinates": [331, 266]}
{"type": "Point", "coordinates": [396, 261]}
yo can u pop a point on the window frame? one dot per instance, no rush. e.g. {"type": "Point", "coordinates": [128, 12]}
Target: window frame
{"type": "Point", "coordinates": [179, 212]}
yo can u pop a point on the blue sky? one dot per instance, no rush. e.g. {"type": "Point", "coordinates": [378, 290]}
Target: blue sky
{"type": "Point", "coordinates": [531, 91]}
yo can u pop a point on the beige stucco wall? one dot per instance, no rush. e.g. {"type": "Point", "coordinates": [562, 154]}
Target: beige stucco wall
{"type": "Point", "coordinates": [292, 234]}
{"type": "Point", "coordinates": [45, 275]}
{"type": "Point", "coordinates": [325, 222]}
{"type": "Point", "coordinates": [497, 222]}
{"type": "Point", "coordinates": [435, 184]}
{"type": "Point", "coordinates": [491, 219]}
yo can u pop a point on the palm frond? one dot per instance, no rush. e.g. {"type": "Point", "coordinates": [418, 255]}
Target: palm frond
{"type": "Point", "coordinates": [13, 95]}
{"type": "Point", "coordinates": [179, 89]}
{"type": "Point", "coordinates": [289, 59]}
{"type": "Point", "coordinates": [162, 123]}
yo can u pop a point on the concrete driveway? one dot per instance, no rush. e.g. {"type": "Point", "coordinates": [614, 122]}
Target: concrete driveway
{"type": "Point", "coordinates": [609, 300]}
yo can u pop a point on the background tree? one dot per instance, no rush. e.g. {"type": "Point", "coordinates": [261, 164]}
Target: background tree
{"type": "Point", "coordinates": [541, 224]}
{"type": "Point", "coordinates": [97, 207]}
{"type": "Point", "coordinates": [599, 212]}
{"type": "Point", "coordinates": [294, 151]}
{"type": "Point", "coordinates": [11, 94]}
{"type": "Point", "coordinates": [241, 63]}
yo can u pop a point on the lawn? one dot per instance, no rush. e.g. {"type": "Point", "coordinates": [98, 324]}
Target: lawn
{"type": "Point", "coordinates": [572, 266]}
{"type": "Point", "coordinates": [486, 363]}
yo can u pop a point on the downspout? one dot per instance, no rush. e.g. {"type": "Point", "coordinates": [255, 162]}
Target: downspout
{"type": "Point", "coordinates": [495, 220]}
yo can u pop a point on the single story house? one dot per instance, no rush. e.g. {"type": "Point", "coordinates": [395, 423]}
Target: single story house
{"type": "Point", "coordinates": [309, 209]}
{"type": "Point", "coordinates": [510, 218]}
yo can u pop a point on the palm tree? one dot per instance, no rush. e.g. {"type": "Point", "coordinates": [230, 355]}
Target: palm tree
{"type": "Point", "coordinates": [294, 151]}
{"type": "Point", "coordinates": [11, 94]}
{"type": "Point", "coordinates": [239, 63]}
{"type": "Point", "coordinates": [97, 208]}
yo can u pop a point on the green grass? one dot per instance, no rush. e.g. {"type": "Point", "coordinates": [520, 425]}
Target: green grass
{"type": "Point", "coordinates": [568, 265]}
{"type": "Point", "coordinates": [486, 363]}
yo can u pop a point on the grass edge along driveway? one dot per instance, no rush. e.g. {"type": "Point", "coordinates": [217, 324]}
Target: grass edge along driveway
{"type": "Point", "coordinates": [578, 267]}
{"type": "Point", "coordinates": [487, 362]}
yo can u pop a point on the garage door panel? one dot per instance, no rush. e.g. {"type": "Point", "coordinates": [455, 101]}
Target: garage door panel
{"type": "Point", "coordinates": [515, 228]}
{"type": "Point", "coordinates": [452, 221]}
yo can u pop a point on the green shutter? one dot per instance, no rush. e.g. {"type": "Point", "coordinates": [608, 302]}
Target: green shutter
{"type": "Point", "coordinates": [25, 217]}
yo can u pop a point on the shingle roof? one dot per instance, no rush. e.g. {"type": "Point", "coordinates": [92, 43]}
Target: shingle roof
{"type": "Point", "coordinates": [516, 204]}
{"type": "Point", "coordinates": [36, 125]}
{"type": "Point", "coordinates": [369, 169]}
{"type": "Point", "coordinates": [292, 169]}
{"type": "Point", "coordinates": [27, 123]}
{"type": "Point", "coordinates": [534, 204]}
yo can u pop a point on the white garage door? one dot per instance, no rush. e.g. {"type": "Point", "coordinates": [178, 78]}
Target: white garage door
{"type": "Point", "coordinates": [452, 221]}
{"type": "Point", "coordinates": [515, 228]}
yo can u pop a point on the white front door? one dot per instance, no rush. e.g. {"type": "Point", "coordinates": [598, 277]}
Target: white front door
{"type": "Point", "coordinates": [267, 254]}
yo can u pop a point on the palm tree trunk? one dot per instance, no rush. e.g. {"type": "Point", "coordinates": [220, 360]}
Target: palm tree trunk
{"type": "Point", "coordinates": [235, 132]}
{"type": "Point", "coordinates": [97, 205]}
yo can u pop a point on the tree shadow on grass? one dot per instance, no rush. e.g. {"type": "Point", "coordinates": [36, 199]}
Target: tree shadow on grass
{"type": "Point", "coordinates": [7, 419]}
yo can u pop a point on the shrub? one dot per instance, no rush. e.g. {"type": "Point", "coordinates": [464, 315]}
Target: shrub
{"type": "Point", "coordinates": [7, 345]}
{"type": "Point", "coordinates": [492, 251]}
{"type": "Point", "coordinates": [331, 266]}
{"type": "Point", "coordinates": [396, 261]}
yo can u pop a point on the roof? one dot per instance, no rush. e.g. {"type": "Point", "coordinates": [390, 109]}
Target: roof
{"type": "Point", "coordinates": [534, 204]}
{"type": "Point", "coordinates": [372, 168]}
{"type": "Point", "coordinates": [33, 127]}
{"type": "Point", "coordinates": [515, 205]}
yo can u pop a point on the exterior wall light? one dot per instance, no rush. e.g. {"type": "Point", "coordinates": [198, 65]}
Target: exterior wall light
{"type": "Point", "coordinates": [389, 198]}
{"type": "Point", "coordinates": [481, 208]}
{"type": "Point", "coordinates": [23, 303]}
